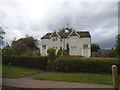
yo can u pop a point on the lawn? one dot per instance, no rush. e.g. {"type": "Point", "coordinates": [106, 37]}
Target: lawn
{"type": "Point", "coordinates": [77, 77]}
{"type": "Point", "coordinates": [17, 72]}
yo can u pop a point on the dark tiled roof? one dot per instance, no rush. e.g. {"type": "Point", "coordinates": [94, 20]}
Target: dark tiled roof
{"type": "Point", "coordinates": [82, 34]}
{"type": "Point", "coordinates": [46, 36]}
{"type": "Point", "coordinates": [64, 35]}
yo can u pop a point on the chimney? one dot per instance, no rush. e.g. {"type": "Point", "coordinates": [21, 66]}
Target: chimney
{"type": "Point", "coordinates": [66, 30]}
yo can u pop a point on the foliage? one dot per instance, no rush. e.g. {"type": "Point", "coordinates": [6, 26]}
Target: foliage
{"type": "Point", "coordinates": [80, 64]}
{"type": "Point", "coordinates": [17, 72]}
{"type": "Point", "coordinates": [59, 53]}
{"type": "Point", "coordinates": [118, 45]}
{"type": "Point", "coordinates": [67, 48]}
{"type": "Point", "coordinates": [1, 36]}
{"type": "Point", "coordinates": [23, 45]}
{"type": "Point", "coordinates": [65, 52]}
{"type": "Point", "coordinates": [8, 50]}
{"type": "Point", "coordinates": [95, 47]}
{"type": "Point", "coordinates": [77, 77]}
{"type": "Point", "coordinates": [62, 30]}
{"type": "Point", "coordinates": [37, 62]}
{"type": "Point", "coordinates": [51, 53]}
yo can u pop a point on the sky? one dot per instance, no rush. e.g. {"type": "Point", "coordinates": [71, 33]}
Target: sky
{"type": "Point", "coordinates": [38, 17]}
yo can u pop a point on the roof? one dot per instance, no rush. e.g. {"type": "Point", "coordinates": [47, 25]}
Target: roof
{"type": "Point", "coordinates": [83, 34]}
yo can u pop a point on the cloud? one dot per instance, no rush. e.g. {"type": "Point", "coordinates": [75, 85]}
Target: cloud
{"type": "Point", "coordinates": [37, 17]}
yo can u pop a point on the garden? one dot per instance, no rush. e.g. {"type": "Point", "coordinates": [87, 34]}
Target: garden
{"type": "Point", "coordinates": [65, 68]}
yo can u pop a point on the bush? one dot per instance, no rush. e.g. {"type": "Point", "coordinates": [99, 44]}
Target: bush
{"type": "Point", "coordinates": [37, 62]}
{"type": "Point", "coordinates": [51, 53]}
{"type": "Point", "coordinates": [80, 64]}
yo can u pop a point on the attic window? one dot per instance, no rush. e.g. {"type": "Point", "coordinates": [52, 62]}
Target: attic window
{"type": "Point", "coordinates": [54, 38]}
{"type": "Point", "coordinates": [73, 38]}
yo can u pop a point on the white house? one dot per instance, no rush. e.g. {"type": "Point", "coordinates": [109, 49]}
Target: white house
{"type": "Point", "coordinates": [79, 42]}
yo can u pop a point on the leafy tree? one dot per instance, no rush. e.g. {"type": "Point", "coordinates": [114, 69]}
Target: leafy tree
{"type": "Point", "coordinates": [23, 45]}
{"type": "Point", "coordinates": [63, 29]}
{"type": "Point", "coordinates": [51, 53]}
{"type": "Point", "coordinates": [95, 47]}
{"type": "Point", "coordinates": [1, 36]}
{"type": "Point", "coordinates": [8, 50]}
{"type": "Point", "coordinates": [118, 45]}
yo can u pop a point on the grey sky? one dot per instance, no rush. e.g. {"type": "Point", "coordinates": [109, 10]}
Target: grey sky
{"type": "Point", "coordinates": [37, 17]}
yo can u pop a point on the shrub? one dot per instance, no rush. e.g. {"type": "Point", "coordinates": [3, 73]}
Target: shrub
{"type": "Point", "coordinates": [59, 53]}
{"type": "Point", "coordinates": [51, 53]}
{"type": "Point", "coordinates": [80, 64]}
{"type": "Point", "coordinates": [37, 62]}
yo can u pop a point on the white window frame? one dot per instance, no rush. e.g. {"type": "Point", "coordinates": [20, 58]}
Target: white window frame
{"type": "Point", "coordinates": [73, 49]}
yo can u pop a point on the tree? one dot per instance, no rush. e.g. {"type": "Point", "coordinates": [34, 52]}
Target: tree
{"type": "Point", "coordinates": [8, 50]}
{"type": "Point", "coordinates": [95, 47]}
{"type": "Point", "coordinates": [23, 45]}
{"type": "Point", "coordinates": [1, 36]}
{"type": "Point", "coordinates": [118, 45]}
{"type": "Point", "coordinates": [62, 30]}
{"type": "Point", "coordinates": [51, 53]}
{"type": "Point", "coordinates": [67, 47]}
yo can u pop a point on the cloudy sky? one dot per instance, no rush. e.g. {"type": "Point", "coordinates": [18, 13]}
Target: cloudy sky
{"type": "Point", "coordinates": [37, 17]}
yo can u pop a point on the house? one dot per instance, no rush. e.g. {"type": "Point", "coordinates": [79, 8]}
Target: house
{"type": "Point", "coordinates": [79, 42]}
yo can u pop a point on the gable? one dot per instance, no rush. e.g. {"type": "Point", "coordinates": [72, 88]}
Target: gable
{"type": "Point", "coordinates": [73, 33]}
{"type": "Point", "coordinates": [54, 34]}
{"type": "Point", "coordinates": [81, 34]}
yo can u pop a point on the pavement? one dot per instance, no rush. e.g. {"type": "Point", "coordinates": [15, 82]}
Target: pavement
{"type": "Point", "coordinates": [28, 82]}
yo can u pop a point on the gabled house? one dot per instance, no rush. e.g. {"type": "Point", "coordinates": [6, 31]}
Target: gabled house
{"type": "Point", "coordinates": [79, 42]}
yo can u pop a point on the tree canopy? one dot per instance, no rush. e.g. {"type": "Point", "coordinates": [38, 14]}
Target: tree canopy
{"type": "Point", "coordinates": [63, 29]}
{"type": "Point", "coordinates": [95, 47]}
{"type": "Point", "coordinates": [24, 44]}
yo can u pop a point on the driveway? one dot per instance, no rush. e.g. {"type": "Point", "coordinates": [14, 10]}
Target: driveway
{"type": "Point", "coordinates": [29, 83]}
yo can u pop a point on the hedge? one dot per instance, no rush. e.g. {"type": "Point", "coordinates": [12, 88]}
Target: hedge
{"type": "Point", "coordinates": [37, 62]}
{"type": "Point", "coordinates": [80, 64]}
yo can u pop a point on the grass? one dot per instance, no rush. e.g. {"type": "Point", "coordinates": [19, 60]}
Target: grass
{"type": "Point", "coordinates": [17, 72]}
{"type": "Point", "coordinates": [77, 77]}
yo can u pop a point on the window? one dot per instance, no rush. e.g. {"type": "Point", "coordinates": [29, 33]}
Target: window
{"type": "Point", "coordinates": [73, 38]}
{"type": "Point", "coordinates": [73, 48]}
{"type": "Point", "coordinates": [54, 38]}
{"type": "Point", "coordinates": [85, 46]}
{"type": "Point", "coordinates": [44, 46]}
{"type": "Point", "coordinates": [55, 48]}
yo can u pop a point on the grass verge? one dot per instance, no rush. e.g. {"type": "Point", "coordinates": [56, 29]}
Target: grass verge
{"type": "Point", "coordinates": [17, 72]}
{"type": "Point", "coordinates": [77, 77]}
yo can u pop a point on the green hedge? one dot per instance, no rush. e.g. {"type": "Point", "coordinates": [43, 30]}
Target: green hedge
{"type": "Point", "coordinates": [37, 62]}
{"type": "Point", "coordinates": [79, 64]}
